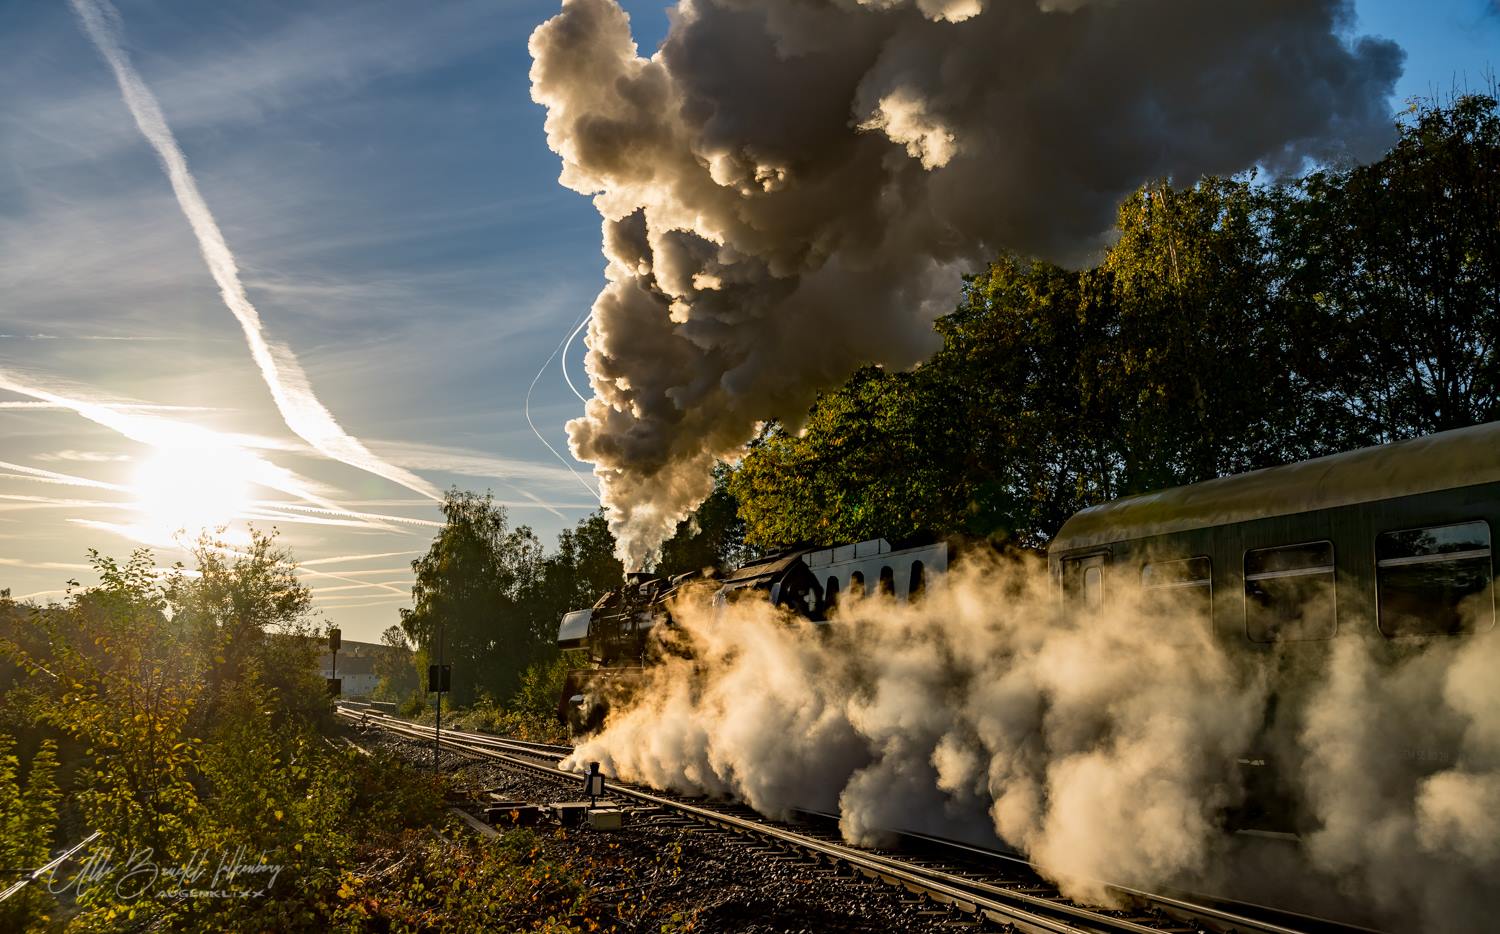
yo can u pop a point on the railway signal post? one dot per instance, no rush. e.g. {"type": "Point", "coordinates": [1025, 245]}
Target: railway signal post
{"type": "Point", "coordinates": [335, 636]}
{"type": "Point", "coordinates": [439, 680]}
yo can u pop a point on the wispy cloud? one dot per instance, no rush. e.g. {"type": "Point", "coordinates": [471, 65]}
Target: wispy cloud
{"type": "Point", "coordinates": [122, 406]}
{"type": "Point", "coordinates": [290, 388]}
{"type": "Point", "coordinates": [42, 565]}
{"type": "Point", "coordinates": [390, 588]}
{"type": "Point", "coordinates": [11, 502]}
{"type": "Point", "coordinates": [338, 603]}
{"type": "Point", "coordinates": [367, 516]}
{"type": "Point", "coordinates": [384, 584]}
{"type": "Point", "coordinates": [469, 463]}
{"type": "Point", "coordinates": [52, 476]}
{"type": "Point", "coordinates": [169, 434]}
{"type": "Point", "coordinates": [344, 559]}
{"type": "Point", "coordinates": [84, 457]}
{"type": "Point", "coordinates": [371, 572]}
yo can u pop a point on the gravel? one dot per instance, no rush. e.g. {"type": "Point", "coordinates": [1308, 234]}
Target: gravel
{"type": "Point", "coordinates": [714, 879]}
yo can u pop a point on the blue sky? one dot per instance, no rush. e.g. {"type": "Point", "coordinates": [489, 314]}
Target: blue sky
{"type": "Point", "coordinates": [380, 173]}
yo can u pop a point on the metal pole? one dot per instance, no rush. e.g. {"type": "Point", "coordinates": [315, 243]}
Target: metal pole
{"type": "Point", "coordinates": [437, 729]}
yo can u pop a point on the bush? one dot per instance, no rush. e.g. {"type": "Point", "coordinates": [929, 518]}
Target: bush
{"type": "Point", "coordinates": [413, 706]}
{"type": "Point", "coordinates": [505, 884]}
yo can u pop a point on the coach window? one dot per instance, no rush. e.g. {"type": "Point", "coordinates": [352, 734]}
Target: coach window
{"type": "Point", "coordinates": [1289, 593]}
{"type": "Point", "coordinates": [831, 593]}
{"type": "Point", "coordinates": [1434, 581]}
{"type": "Point", "coordinates": [1083, 579]}
{"type": "Point", "coordinates": [1180, 593]}
{"type": "Point", "coordinates": [887, 584]}
{"type": "Point", "coordinates": [914, 588]}
{"type": "Point", "coordinates": [1093, 585]}
{"type": "Point", "coordinates": [857, 583]}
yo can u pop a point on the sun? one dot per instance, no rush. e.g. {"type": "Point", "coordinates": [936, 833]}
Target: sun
{"type": "Point", "coordinates": [183, 492]}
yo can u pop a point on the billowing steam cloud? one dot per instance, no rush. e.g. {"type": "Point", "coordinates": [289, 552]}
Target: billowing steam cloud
{"type": "Point", "coordinates": [791, 189]}
{"type": "Point", "coordinates": [1397, 816]}
{"type": "Point", "coordinates": [283, 375]}
{"type": "Point", "coordinates": [1105, 745]}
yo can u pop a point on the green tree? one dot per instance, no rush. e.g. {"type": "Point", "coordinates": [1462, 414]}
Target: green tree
{"type": "Point", "coordinates": [28, 819]}
{"type": "Point", "coordinates": [1054, 388]}
{"type": "Point", "coordinates": [712, 537]}
{"type": "Point", "coordinates": [578, 573]}
{"type": "Point", "coordinates": [248, 616]}
{"type": "Point", "coordinates": [1391, 275]}
{"type": "Point", "coordinates": [398, 677]}
{"type": "Point", "coordinates": [123, 671]}
{"type": "Point", "coordinates": [473, 598]}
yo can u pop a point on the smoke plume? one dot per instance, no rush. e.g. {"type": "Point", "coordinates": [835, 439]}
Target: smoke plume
{"type": "Point", "coordinates": [791, 189]}
{"type": "Point", "coordinates": [1103, 744]}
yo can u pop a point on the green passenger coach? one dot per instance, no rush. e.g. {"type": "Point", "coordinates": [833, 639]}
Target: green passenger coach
{"type": "Point", "coordinates": [1391, 541]}
{"type": "Point", "coordinates": [1390, 545]}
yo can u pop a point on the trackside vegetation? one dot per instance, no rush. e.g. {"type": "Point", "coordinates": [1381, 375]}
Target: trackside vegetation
{"type": "Point", "coordinates": [179, 713]}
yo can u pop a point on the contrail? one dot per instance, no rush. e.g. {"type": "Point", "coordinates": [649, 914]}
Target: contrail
{"type": "Point", "coordinates": [562, 361]}
{"type": "Point", "coordinates": [289, 386]}
{"type": "Point", "coordinates": [593, 490]}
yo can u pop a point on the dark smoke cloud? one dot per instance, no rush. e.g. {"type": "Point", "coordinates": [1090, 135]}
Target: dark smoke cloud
{"type": "Point", "coordinates": [791, 188]}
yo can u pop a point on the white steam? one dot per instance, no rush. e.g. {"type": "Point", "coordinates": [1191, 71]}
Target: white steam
{"type": "Point", "coordinates": [283, 375]}
{"type": "Point", "coordinates": [1102, 744]}
{"type": "Point", "coordinates": [790, 190]}
{"type": "Point", "coordinates": [1398, 819]}
{"type": "Point", "coordinates": [1106, 744]}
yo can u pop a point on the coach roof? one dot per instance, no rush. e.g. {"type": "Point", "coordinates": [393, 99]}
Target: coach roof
{"type": "Point", "coordinates": [1449, 459]}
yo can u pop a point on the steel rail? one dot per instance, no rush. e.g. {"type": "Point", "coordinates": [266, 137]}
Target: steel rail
{"type": "Point", "coordinates": [1027, 912]}
{"type": "Point", "coordinates": [57, 861]}
{"type": "Point", "coordinates": [501, 742]}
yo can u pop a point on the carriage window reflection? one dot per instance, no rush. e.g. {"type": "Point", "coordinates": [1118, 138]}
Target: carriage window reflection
{"type": "Point", "coordinates": [1289, 593]}
{"type": "Point", "coordinates": [1180, 595]}
{"type": "Point", "coordinates": [1434, 581]}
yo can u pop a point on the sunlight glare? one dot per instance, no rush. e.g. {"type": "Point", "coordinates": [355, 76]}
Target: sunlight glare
{"type": "Point", "coordinates": [183, 492]}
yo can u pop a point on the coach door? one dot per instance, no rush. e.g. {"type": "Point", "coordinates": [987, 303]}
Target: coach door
{"type": "Point", "coordinates": [1083, 579]}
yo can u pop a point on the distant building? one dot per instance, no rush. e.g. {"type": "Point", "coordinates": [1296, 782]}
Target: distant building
{"type": "Point", "coordinates": [356, 666]}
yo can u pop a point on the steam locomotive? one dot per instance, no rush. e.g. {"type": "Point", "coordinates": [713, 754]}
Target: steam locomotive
{"type": "Point", "coordinates": [616, 632]}
{"type": "Point", "coordinates": [1390, 544]}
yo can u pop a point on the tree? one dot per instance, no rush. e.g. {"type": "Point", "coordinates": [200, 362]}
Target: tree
{"type": "Point", "coordinates": [712, 537]}
{"type": "Point", "coordinates": [471, 603]}
{"type": "Point", "coordinates": [581, 570]}
{"type": "Point", "coordinates": [28, 818]}
{"type": "Point", "coordinates": [249, 616]}
{"type": "Point", "coordinates": [1391, 275]}
{"type": "Point", "coordinates": [398, 677]}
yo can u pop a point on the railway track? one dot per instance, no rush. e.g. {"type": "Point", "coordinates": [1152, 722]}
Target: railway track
{"type": "Point", "coordinates": [998, 887]}
{"type": "Point", "coordinates": [45, 871]}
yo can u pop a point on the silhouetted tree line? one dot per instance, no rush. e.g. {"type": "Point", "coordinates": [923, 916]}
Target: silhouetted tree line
{"type": "Point", "coordinates": [495, 598]}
